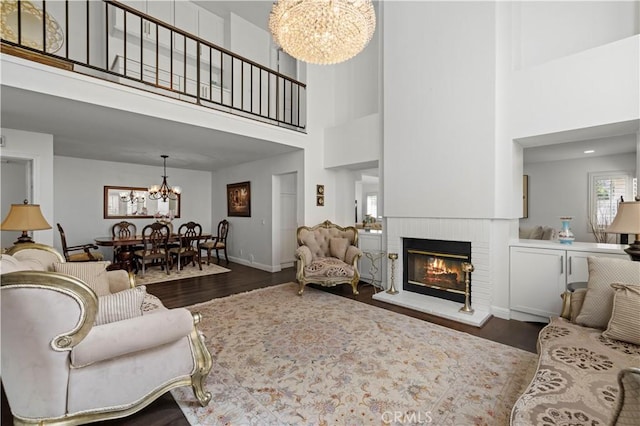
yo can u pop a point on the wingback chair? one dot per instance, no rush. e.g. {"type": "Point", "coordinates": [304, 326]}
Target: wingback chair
{"type": "Point", "coordinates": [327, 255]}
{"type": "Point", "coordinates": [60, 367]}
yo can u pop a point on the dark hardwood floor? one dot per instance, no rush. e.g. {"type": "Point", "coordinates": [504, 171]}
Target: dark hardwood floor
{"type": "Point", "coordinates": [178, 293]}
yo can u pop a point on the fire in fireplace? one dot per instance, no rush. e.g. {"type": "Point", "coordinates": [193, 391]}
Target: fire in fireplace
{"type": "Point", "coordinates": [434, 267]}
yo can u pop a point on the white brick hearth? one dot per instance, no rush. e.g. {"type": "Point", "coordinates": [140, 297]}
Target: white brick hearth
{"type": "Point", "coordinates": [476, 231]}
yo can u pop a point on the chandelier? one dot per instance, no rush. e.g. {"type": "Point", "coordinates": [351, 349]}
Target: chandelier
{"type": "Point", "coordinates": [132, 197]}
{"type": "Point", "coordinates": [322, 31]}
{"type": "Point", "coordinates": [164, 191]}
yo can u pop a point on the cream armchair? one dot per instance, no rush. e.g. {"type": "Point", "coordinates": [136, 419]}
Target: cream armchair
{"type": "Point", "coordinates": [327, 255]}
{"type": "Point", "coordinates": [59, 367]}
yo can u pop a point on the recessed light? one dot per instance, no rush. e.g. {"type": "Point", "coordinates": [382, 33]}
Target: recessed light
{"type": "Point", "coordinates": [589, 151]}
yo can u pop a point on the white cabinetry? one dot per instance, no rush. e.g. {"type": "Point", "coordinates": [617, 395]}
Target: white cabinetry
{"type": "Point", "coordinates": [540, 272]}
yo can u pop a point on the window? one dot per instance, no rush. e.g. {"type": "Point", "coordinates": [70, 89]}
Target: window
{"type": "Point", "coordinates": [605, 192]}
{"type": "Point", "coordinates": [372, 205]}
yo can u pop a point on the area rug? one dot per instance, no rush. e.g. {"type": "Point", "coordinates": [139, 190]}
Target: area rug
{"type": "Point", "coordinates": [155, 275]}
{"type": "Point", "coordinates": [321, 359]}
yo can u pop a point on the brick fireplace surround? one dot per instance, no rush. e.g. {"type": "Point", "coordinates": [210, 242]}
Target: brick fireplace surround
{"type": "Point", "coordinates": [487, 236]}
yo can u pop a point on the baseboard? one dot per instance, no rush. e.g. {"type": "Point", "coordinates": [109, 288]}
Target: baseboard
{"type": "Point", "coordinates": [499, 312]}
{"type": "Point", "coordinates": [261, 266]}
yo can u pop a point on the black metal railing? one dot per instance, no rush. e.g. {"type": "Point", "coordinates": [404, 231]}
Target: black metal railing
{"type": "Point", "coordinates": [118, 43]}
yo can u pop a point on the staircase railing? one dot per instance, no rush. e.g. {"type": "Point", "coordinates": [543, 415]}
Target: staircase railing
{"type": "Point", "coordinates": [115, 42]}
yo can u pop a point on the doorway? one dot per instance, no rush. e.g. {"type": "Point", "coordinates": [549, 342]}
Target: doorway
{"type": "Point", "coordinates": [285, 219]}
{"type": "Point", "coordinates": [15, 181]}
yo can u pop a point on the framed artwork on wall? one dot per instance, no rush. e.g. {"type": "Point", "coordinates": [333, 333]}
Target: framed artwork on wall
{"type": "Point", "coordinates": [239, 199]}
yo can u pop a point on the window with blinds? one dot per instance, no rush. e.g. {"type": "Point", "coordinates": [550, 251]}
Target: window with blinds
{"type": "Point", "coordinates": [606, 190]}
{"type": "Point", "coordinates": [372, 205]}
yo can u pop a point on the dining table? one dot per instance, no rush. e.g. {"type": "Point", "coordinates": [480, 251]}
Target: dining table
{"type": "Point", "coordinates": [133, 240]}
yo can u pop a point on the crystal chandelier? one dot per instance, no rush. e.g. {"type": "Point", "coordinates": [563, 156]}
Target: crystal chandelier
{"type": "Point", "coordinates": [164, 191]}
{"type": "Point", "coordinates": [322, 31]}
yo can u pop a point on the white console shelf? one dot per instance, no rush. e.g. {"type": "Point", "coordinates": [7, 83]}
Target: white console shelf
{"type": "Point", "coordinates": [540, 271]}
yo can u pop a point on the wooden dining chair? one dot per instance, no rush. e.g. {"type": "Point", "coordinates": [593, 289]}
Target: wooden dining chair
{"type": "Point", "coordinates": [87, 253]}
{"type": "Point", "coordinates": [123, 256]}
{"type": "Point", "coordinates": [189, 248]}
{"type": "Point", "coordinates": [154, 240]}
{"type": "Point", "coordinates": [219, 242]}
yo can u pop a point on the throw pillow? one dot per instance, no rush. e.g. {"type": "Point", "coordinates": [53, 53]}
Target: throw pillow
{"type": "Point", "coordinates": [94, 274]}
{"type": "Point", "coordinates": [338, 247]}
{"type": "Point", "coordinates": [537, 233]}
{"type": "Point", "coordinates": [121, 305]}
{"type": "Point", "coordinates": [598, 302]}
{"type": "Point", "coordinates": [577, 299]}
{"type": "Point", "coordinates": [625, 317]}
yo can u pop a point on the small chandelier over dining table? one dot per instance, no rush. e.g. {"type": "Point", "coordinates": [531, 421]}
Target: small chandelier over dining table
{"type": "Point", "coordinates": [164, 191]}
{"type": "Point", "coordinates": [322, 31]}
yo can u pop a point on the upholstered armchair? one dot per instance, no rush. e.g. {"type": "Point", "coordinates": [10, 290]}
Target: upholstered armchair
{"type": "Point", "coordinates": [327, 255]}
{"type": "Point", "coordinates": [65, 361]}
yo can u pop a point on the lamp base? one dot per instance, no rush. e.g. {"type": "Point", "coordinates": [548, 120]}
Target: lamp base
{"type": "Point", "coordinates": [634, 251]}
{"type": "Point", "coordinates": [24, 238]}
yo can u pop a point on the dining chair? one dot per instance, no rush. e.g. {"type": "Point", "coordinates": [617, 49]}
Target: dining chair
{"type": "Point", "coordinates": [154, 241]}
{"type": "Point", "coordinates": [88, 251]}
{"type": "Point", "coordinates": [123, 256]}
{"type": "Point", "coordinates": [190, 234]}
{"type": "Point", "coordinates": [219, 242]}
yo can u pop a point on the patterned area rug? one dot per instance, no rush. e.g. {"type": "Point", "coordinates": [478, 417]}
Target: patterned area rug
{"type": "Point", "coordinates": [156, 275]}
{"type": "Point", "coordinates": [321, 359]}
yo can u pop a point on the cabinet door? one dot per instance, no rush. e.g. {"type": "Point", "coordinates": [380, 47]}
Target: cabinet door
{"type": "Point", "coordinates": [537, 279]}
{"type": "Point", "coordinates": [578, 268]}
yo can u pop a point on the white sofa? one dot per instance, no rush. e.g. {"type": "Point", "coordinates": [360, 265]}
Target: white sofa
{"type": "Point", "coordinates": [67, 359]}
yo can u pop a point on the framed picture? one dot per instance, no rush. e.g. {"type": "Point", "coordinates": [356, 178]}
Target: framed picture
{"type": "Point", "coordinates": [320, 200]}
{"type": "Point", "coordinates": [239, 199]}
{"type": "Point", "coordinates": [525, 196]}
{"type": "Point", "coordinates": [319, 189]}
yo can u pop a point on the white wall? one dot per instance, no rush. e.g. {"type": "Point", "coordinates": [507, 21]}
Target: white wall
{"type": "Point", "coordinates": [439, 94]}
{"type": "Point", "coordinates": [37, 147]}
{"type": "Point", "coordinates": [561, 188]}
{"type": "Point", "coordinates": [553, 29]}
{"type": "Point", "coordinates": [358, 141]}
{"type": "Point", "coordinates": [249, 41]}
{"type": "Point", "coordinates": [592, 88]}
{"type": "Point", "coordinates": [79, 185]}
{"type": "Point", "coordinates": [250, 239]}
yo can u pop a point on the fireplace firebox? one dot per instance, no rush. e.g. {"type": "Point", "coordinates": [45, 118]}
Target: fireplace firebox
{"type": "Point", "coordinates": [434, 267]}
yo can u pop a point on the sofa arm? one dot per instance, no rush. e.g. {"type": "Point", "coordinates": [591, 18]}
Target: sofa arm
{"type": "Point", "coordinates": [352, 255]}
{"type": "Point", "coordinates": [128, 336]}
{"type": "Point", "coordinates": [304, 254]}
{"type": "Point", "coordinates": [120, 280]}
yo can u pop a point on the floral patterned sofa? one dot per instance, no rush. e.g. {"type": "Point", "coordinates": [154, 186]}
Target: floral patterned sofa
{"type": "Point", "coordinates": [589, 358]}
{"type": "Point", "coordinates": [328, 255]}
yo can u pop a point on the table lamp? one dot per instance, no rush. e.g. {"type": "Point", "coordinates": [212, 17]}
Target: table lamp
{"type": "Point", "coordinates": [24, 217]}
{"type": "Point", "coordinates": [627, 221]}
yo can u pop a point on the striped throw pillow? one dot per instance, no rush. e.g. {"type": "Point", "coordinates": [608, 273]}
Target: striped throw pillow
{"type": "Point", "coordinates": [625, 320]}
{"type": "Point", "coordinates": [94, 274]}
{"type": "Point", "coordinates": [121, 305]}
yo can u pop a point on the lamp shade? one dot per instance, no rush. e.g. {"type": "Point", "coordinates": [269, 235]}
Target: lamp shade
{"type": "Point", "coordinates": [627, 220]}
{"type": "Point", "coordinates": [24, 217]}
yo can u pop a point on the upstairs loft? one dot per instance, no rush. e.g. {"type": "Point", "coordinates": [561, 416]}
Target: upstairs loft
{"type": "Point", "coordinates": [117, 43]}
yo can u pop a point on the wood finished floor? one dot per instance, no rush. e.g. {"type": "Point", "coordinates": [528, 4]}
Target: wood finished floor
{"type": "Point", "coordinates": [178, 293]}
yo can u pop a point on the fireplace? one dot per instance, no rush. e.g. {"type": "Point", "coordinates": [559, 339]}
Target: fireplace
{"type": "Point", "coordinates": [434, 267]}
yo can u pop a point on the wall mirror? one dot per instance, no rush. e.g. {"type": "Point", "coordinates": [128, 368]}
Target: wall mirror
{"type": "Point", "coordinates": [121, 202]}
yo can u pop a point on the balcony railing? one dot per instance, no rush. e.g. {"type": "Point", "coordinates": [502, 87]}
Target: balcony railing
{"type": "Point", "coordinates": [115, 42]}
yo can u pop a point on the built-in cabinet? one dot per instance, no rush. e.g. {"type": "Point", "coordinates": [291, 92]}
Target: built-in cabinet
{"type": "Point", "coordinates": [540, 272]}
